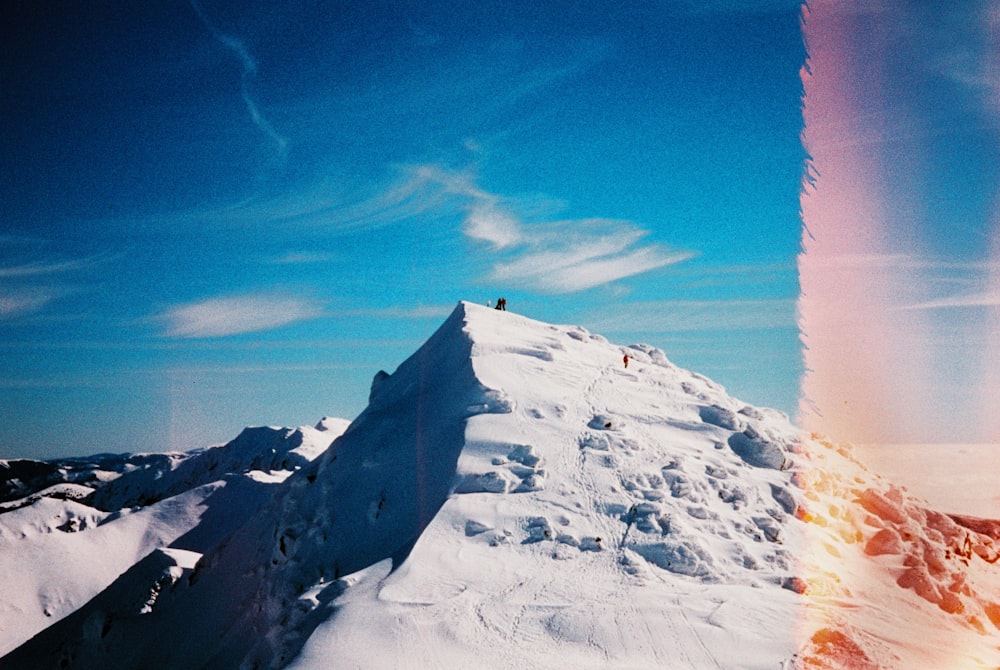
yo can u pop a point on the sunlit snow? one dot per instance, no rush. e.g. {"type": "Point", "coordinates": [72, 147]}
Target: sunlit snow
{"type": "Point", "coordinates": [513, 497]}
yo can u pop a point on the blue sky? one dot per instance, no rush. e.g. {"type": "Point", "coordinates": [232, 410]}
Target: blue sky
{"type": "Point", "coordinates": [220, 214]}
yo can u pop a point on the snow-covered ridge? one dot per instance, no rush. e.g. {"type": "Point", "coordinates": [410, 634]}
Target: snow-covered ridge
{"type": "Point", "coordinates": [21, 478]}
{"type": "Point", "coordinates": [64, 541]}
{"type": "Point", "coordinates": [263, 448]}
{"type": "Point", "coordinates": [515, 495]}
{"type": "Point", "coordinates": [115, 481]}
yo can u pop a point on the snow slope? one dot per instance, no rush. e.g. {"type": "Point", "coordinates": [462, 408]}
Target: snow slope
{"type": "Point", "coordinates": [56, 552]}
{"type": "Point", "coordinates": [514, 496]}
{"type": "Point", "coordinates": [55, 555]}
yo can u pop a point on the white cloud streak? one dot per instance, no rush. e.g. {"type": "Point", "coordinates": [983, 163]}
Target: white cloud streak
{"type": "Point", "coordinates": [527, 249]}
{"type": "Point", "coordinates": [564, 256]}
{"type": "Point", "coordinates": [23, 293]}
{"type": "Point", "coordinates": [571, 256]}
{"type": "Point", "coordinates": [486, 222]}
{"type": "Point", "coordinates": [37, 268]}
{"type": "Point", "coordinates": [249, 72]}
{"type": "Point", "coordinates": [888, 262]}
{"type": "Point", "coordinates": [19, 302]}
{"type": "Point", "coordinates": [304, 257]}
{"type": "Point", "coordinates": [987, 299]}
{"type": "Point", "coordinates": [221, 317]}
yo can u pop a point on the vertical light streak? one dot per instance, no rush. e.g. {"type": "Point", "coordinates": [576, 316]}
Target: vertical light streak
{"type": "Point", "coordinates": [866, 349]}
{"type": "Point", "coordinates": [849, 388]}
{"type": "Point", "coordinates": [989, 409]}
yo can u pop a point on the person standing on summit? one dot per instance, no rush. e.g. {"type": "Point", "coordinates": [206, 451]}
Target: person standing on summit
{"type": "Point", "coordinates": [502, 304]}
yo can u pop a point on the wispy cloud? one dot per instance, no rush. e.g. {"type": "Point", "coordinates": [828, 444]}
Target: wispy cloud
{"type": "Point", "coordinates": [884, 262]}
{"type": "Point", "coordinates": [326, 206]}
{"type": "Point", "coordinates": [303, 257]}
{"type": "Point", "coordinates": [571, 256]}
{"type": "Point", "coordinates": [528, 246]}
{"type": "Point", "coordinates": [487, 222]}
{"type": "Point", "coordinates": [220, 317]}
{"type": "Point", "coordinates": [36, 268]}
{"type": "Point", "coordinates": [249, 72]}
{"type": "Point", "coordinates": [970, 62]}
{"type": "Point", "coordinates": [29, 287]}
{"type": "Point", "coordinates": [530, 250]}
{"type": "Point", "coordinates": [19, 302]}
{"type": "Point", "coordinates": [987, 299]}
{"type": "Point", "coordinates": [563, 256]}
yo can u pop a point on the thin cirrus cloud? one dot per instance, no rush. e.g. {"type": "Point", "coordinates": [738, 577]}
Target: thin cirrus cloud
{"type": "Point", "coordinates": [548, 256]}
{"type": "Point", "coordinates": [487, 222]}
{"type": "Point", "coordinates": [303, 258]}
{"type": "Point", "coordinates": [37, 268]}
{"type": "Point", "coordinates": [221, 317]}
{"type": "Point", "coordinates": [527, 248]}
{"type": "Point", "coordinates": [987, 299]}
{"type": "Point", "coordinates": [249, 72]}
{"type": "Point", "coordinates": [323, 206]}
{"type": "Point", "coordinates": [19, 302]}
{"type": "Point", "coordinates": [571, 256]}
{"type": "Point", "coordinates": [18, 299]}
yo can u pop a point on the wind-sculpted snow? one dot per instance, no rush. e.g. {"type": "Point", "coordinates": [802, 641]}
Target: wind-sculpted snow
{"type": "Point", "coordinates": [515, 497]}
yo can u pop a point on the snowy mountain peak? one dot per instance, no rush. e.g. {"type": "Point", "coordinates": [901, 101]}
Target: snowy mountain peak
{"type": "Point", "coordinates": [521, 494]}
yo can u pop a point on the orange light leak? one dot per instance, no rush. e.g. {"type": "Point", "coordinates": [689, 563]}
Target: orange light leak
{"type": "Point", "coordinates": [862, 357]}
{"type": "Point", "coordinates": [989, 412]}
{"type": "Point", "coordinates": [844, 270]}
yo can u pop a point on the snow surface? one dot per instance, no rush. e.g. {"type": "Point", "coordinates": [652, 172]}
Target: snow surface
{"type": "Point", "coordinates": [514, 496]}
{"type": "Point", "coordinates": [56, 553]}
